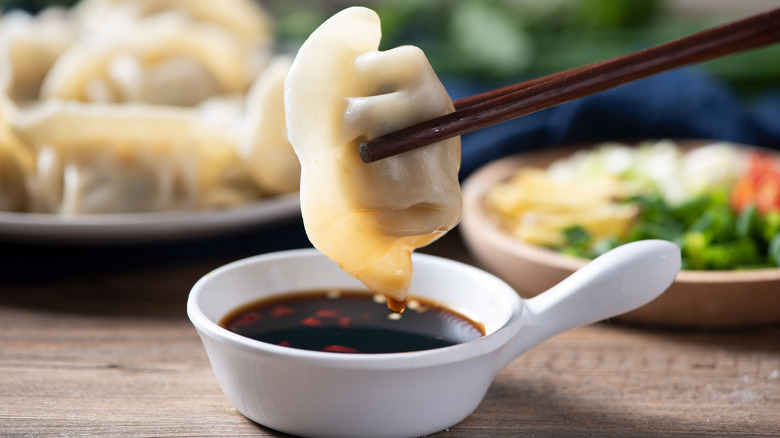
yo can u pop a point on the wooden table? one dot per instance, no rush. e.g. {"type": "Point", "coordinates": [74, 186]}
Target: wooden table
{"type": "Point", "coordinates": [115, 355]}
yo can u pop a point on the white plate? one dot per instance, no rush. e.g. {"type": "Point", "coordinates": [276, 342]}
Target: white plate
{"type": "Point", "coordinates": [138, 227]}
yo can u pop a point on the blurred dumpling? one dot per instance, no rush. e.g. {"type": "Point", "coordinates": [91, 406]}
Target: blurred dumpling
{"type": "Point", "coordinates": [93, 158]}
{"type": "Point", "coordinates": [29, 46]}
{"type": "Point", "coordinates": [264, 146]}
{"type": "Point", "coordinates": [246, 18]}
{"type": "Point", "coordinates": [341, 90]}
{"type": "Point", "coordinates": [16, 163]}
{"type": "Point", "coordinates": [167, 59]}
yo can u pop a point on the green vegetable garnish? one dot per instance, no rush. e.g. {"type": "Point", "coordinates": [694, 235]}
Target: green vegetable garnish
{"type": "Point", "coordinates": [714, 232]}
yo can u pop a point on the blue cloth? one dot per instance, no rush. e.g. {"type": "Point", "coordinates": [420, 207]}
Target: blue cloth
{"type": "Point", "coordinates": [681, 103]}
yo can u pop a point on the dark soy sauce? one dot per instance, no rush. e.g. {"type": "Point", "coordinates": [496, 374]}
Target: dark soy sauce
{"type": "Point", "coordinates": [351, 322]}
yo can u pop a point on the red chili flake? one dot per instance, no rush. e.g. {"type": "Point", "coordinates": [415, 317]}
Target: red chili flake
{"type": "Point", "coordinates": [247, 319]}
{"type": "Point", "coordinates": [312, 322]}
{"type": "Point", "coordinates": [340, 349]}
{"type": "Point", "coordinates": [284, 343]}
{"type": "Point", "coordinates": [759, 186]}
{"type": "Point", "coordinates": [344, 321]}
{"type": "Point", "coordinates": [282, 310]}
{"type": "Point", "coordinates": [327, 313]}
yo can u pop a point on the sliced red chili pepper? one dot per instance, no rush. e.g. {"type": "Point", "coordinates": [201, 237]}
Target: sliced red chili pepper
{"type": "Point", "coordinates": [759, 186]}
{"type": "Point", "coordinates": [768, 196]}
{"type": "Point", "coordinates": [312, 322]}
{"type": "Point", "coordinates": [247, 319]}
{"type": "Point", "coordinates": [327, 313]}
{"type": "Point", "coordinates": [281, 310]}
{"type": "Point", "coordinates": [340, 349]}
{"type": "Point", "coordinates": [344, 321]}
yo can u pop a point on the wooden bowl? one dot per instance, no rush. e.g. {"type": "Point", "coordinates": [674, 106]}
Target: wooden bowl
{"type": "Point", "coordinates": [697, 299]}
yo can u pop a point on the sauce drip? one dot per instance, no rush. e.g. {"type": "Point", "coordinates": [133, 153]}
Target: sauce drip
{"type": "Point", "coordinates": [351, 322]}
{"type": "Point", "coordinates": [396, 305]}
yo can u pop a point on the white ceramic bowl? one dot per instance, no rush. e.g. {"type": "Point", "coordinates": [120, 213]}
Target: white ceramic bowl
{"type": "Point", "coordinates": [322, 394]}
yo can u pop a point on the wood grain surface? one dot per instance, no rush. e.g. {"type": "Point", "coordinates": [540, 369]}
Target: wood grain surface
{"type": "Point", "coordinates": [116, 356]}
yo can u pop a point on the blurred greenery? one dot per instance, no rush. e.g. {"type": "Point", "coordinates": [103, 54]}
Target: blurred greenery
{"type": "Point", "coordinates": [502, 40]}
{"type": "Point", "coordinates": [33, 5]}
{"type": "Point", "coordinates": [711, 235]}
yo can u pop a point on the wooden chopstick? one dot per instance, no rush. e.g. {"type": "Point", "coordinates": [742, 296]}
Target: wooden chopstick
{"type": "Point", "coordinates": [506, 103]}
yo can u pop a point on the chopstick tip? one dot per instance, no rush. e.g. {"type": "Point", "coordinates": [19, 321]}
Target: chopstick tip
{"type": "Point", "coordinates": [365, 152]}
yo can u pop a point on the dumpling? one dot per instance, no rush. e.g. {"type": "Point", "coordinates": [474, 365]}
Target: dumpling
{"type": "Point", "coordinates": [167, 59]}
{"type": "Point", "coordinates": [93, 158]}
{"type": "Point", "coordinates": [16, 163]}
{"type": "Point", "coordinates": [264, 146]}
{"type": "Point", "coordinates": [29, 46]}
{"type": "Point", "coordinates": [246, 18]}
{"type": "Point", "coordinates": [369, 217]}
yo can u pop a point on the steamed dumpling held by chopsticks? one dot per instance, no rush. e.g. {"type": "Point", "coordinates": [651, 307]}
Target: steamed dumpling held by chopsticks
{"type": "Point", "coordinates": [340, 91]}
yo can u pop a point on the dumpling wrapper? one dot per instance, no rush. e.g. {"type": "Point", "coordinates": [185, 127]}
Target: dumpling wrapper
{"type": "Point", "coordinates": [16, 162]}
{"type": "Point", "coordinates": [342, 90]}
{"type": "Point", "coordinates": [166, 59]}
{"type": "Point", "coordinates": [95, 159]}
{"type": "Point", "coordinates": [29, 46]}
{"type": "Point", "coordinates": [264, 147]}
{"type": "Point", "coordinates": [246, 18]}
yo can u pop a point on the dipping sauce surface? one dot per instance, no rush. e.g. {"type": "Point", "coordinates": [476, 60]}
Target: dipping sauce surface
{"type": "Point", "coordinates": [351, 322]}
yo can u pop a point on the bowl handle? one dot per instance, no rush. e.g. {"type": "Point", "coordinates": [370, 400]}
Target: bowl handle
{"type": "Point", "coordinates": [621, 280]}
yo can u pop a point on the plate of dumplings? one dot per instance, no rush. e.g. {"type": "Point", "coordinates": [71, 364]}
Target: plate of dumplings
{"type": "Point", "coordinates": [125, 119]}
